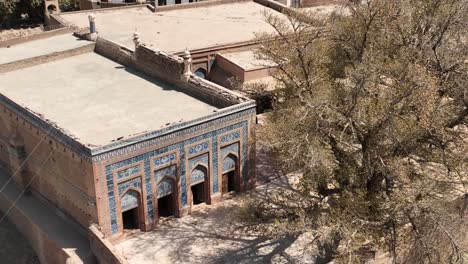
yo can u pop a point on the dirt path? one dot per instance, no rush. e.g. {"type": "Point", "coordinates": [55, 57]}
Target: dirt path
{"type": "Point", "coordinates": [14, 248]}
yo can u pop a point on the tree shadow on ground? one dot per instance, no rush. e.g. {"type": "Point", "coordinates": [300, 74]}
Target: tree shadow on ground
{"type": "Point", "coordinates": [216, 234]}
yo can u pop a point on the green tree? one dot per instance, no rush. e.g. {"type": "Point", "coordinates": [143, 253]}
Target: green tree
{"type": "Point", "coordinates": [16, 13]}
{"type": "Point", "coordinates": [372, 119]}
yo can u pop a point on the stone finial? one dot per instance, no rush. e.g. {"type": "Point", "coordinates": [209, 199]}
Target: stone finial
{"type": "Point", "coordinates": [187, 65]}
{"type": "Point", "coordinates": [136, 38]}
{"type": "Point", "coordinates": [92, 27]}
{"type": "Point", "coordinates": [92, 23]}
{"type": "Point", "coordinates": [92, 18]}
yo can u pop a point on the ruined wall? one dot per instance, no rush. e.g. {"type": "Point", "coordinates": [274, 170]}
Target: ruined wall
{"type": "Point", "coordinates": [169, 69]}
{"type": "Point", "coordinates": [103, 249]}
{"type": "Point", "coordinates": [60, 172]}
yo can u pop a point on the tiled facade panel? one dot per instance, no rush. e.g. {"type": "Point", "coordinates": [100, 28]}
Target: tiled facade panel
{"type": "Point", "coordinates": [165, 179]}
{"type": "Point", "coordinates": [133, 183]}
{"type": "Point", "coordinates": [179, 148]}
{"type": "Point", "coordinates": [202, 159]}
{"type": "Point", "coordinates": [198, 168]}
{"type": "Point", "coordinates": [229, 163]}
{"type": "Point", "coordinates": [128, 172]}
{"type": "Point", "coordinates": [198, 148]}
{"type": "Point", "coordinates": [167, 171]}
{"type": "Point", "coordinates": [165, 187]}
{"type": "Point", "coordinates": [165, 159]}
{"type": "Point", "coordinates": [199, 174]}
{"type": "Point", "coordinates": [129, 200]}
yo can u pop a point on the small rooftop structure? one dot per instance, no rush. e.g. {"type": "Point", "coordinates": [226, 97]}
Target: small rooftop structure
{"type": "Point", "coordinates": [242, 66]}
{"type": "Point", "coordinates": [247, 60]}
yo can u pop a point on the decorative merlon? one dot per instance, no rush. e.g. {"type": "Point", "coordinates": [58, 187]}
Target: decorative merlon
{"type": "Point", "coordinates": [136, 39]}
{"type": "Point", "coordinates": [187, 65]}
{"type": "Point", "coordinates": [92, 27]}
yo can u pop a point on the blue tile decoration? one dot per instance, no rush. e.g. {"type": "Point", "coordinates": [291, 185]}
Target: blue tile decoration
{"type": "Point", "coordinates": [149, 192]}
{"type": "Point", "coordinates": [202, 159]}
{"type": "Point", "coordinates": [165, 187]}
{"type": "Point", "coordinates": [234, 148]}
{"type": "Point", "coordinates": [135, 183]}
{"type": "Point", "coordinates": [214, 163]}
{"type": "Point", "coordinates": [230, 137]}
{"type": "Point", "coordinates": [128, 172]}
{"type": "Point", "coordinates": [129, 200]}
{"type": "Point", "coordinates": [180, 148]}
{"type": "Point", "coordinates": [165, 159]}
{"type": "Point", "coordinates": [229, 163]}
{"type": "Point", "coordinates": [241, 111]}
{"type": "Point", "coordinates": [198, 175]}
{"type": "Point", "coordinates": [167, 171]}
{"type": "Point", "coordinates": [197, 168]}
{"type": "Point", "coordinates": [198, 148]}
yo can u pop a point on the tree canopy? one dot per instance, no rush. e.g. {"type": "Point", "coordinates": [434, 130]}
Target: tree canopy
{"type": "Point", "coordinates": [371, 114]}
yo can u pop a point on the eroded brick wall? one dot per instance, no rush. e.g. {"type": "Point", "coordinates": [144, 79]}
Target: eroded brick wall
{"type": "Point", "coordinates": [52, 169]}
{"type": "Point", "coordinates": [167, 68]}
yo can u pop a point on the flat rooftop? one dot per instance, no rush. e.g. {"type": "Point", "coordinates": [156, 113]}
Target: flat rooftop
{"type": "Point", "coordinates": [40, 47]}
{"type": "Point", "coordinates": [247, 60]}
{"type": "Point", "coordinates": [173, 31]}
{"type": "Point", "coordinates": [98, 100]}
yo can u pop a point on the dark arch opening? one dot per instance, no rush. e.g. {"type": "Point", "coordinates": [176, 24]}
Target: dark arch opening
{"type": "Point", "coordinates": [199, 182]}
{"type": "Point", "coordinates": [130, 204]}
{"type": "Point", "coordinates": [52, 8]}
{"type": "Point", "coordinates": [166, 197]}
{"type": "Point", "coordinates": [201, 72]}
{"type": "Point", "coordinates": [230, 173]}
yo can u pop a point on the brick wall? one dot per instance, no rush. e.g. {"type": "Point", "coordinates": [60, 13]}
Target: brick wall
{"type": "Point", "coordinates": [61, 175]}
{"type": "Point", "coordinates": [102, 249]}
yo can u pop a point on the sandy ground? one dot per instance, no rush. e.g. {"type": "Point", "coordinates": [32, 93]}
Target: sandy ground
{"type": "Point", "coordinates": [14, 248]}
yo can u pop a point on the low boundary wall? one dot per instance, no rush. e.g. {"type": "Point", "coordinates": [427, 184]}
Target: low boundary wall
{"type": "Point", "coordinates": [41, 35]}
{"type": "Point", "coordinates": [29, 62]}
{"type": "Point", "coordinates": [50, 237]}
{"type": "Point", "coordinates": [103, 249]}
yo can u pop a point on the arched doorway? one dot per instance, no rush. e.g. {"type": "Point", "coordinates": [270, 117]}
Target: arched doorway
{"type": "Point", "coordinates": [52, 8]}
{"type": "Point", "coordinates": [131, 209]}
{"type": "Point", "coordinates": [230, 176]}
{"type": "Point", "coordinates": [166, 197]}
{"type": "Point", "coordinates": [201, 72]}
{"type": "Point", "coordinates": [199, 184]}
